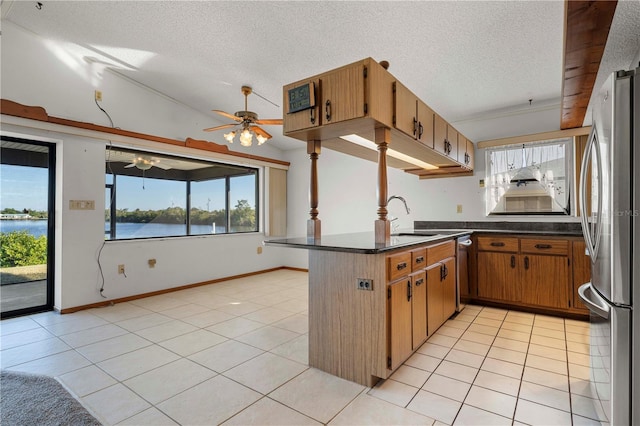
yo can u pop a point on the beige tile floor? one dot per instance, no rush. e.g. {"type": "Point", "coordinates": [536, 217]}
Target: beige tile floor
{"type": "Point", "coordinates": [236, 353]}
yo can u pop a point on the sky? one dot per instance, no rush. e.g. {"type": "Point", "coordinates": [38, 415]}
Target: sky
{"type": "Point", "coordinates": [23, 187]}
{"type": "Point", "coordinates": [26, 187]}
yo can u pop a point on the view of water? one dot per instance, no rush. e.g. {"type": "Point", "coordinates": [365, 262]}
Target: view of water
{"type": "Point", "coordinates": [35, 227]}
{"type": "Point", "coordinates": [123, 230]}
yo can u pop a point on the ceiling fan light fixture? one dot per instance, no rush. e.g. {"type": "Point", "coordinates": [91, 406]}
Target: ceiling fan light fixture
{"type": "Point", "coordinates": [229, 136]}
{"type": "Point", "coordinates": [144, 166]}
{"type": "Point", "coordinates": [246, 138]}
{"type": "Point", "coordinates": [261, 139]}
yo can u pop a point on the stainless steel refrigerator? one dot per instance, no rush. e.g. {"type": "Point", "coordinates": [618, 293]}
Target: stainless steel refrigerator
{"type": "Point", "coordinates": [612, 234]}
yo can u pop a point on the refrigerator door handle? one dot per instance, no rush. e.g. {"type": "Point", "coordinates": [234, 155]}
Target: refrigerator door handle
{"type": "Point", "coordinates": [592, 241]}
{"type": "Point", "coordinates": [594, 302]}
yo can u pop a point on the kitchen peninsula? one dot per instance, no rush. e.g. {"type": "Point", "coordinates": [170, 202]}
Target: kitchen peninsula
{"type": "Point", "coordinates": [371, 305]}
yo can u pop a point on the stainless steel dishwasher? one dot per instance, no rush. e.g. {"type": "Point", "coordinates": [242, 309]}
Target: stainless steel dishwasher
{"type": "Point", "coordinates": [462, 270]}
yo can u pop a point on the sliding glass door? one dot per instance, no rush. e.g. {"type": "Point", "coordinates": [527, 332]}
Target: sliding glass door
{"type": "Point", "coordinates": [27, 194]}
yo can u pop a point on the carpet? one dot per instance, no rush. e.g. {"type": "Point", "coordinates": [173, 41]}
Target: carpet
{"type": "Point", "coordinates": [27, 399]}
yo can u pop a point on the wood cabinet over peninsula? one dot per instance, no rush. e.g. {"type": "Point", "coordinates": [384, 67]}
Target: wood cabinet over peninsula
{"type": "Point", "coordinates": [371, 305]}
{"type": "Point", "coordinates": [359, 98]}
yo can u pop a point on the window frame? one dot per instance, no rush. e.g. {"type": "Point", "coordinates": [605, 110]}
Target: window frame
{"type": "Point", "coordinates": [567, 210]}
{"type": "Point", "coordinates": [111, 190]}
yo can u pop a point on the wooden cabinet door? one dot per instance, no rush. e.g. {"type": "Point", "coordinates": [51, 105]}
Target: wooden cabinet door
{"type": "Point", "coordinates": [448, 288]}
{"type": "Point", "coordinates": [470, 155]}
{"type": "Point", "coordinates": [465, 151]}
{"type": "Point", "coordinates": [425, 124]}
{"type": "Point", "coordinates": [498, 276]}
{"type": "Point", "coordinates": [304, 119]}
{"type": "Point", "coordinates": [434, 299]}
{"type": "Point", "coordinates": [419, 308]}
{"type": "Point", "coordinates": [405, 110]}
{"type": "Point", "coordinates": [545, 280]}
{"type": "Point", "coordinates": [452, 138]}
{"type": "Point", "coordinates": [342, 94]}
{"type": "Point", "coordinates": [581, 272]}
{"type": "Point", "coordinates": [439, 134]}
{"type": "Point", "coordinates": [400, 337]}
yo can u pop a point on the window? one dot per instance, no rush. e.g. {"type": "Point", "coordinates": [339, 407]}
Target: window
{"type": "Point", "coordinates": [150, 195]}
{"type": "Point", "coordinates": [533, 178]}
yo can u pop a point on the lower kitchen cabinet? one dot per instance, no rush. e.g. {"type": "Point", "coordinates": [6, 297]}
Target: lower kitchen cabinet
{"type": "Point", "coordinates": [498, 276]}
{"type": "Point", "coordinates": [530, 272]}
{"type": "Point", "coordinates": [400, 322]}
{"type": "Point", "coordinates": [420, 301]}
{"type": "Point", "coordinates": [418, 309]}
{"type": "Point", "coordinates": [441, 293]}
{"type": "Point", "coordinates": [545, 280]}
{"type": "Point", "coordinates": [435, 304]}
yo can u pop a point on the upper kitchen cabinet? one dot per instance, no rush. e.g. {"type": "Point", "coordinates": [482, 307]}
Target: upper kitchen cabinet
{"type": "Point", "coordinates": [301, 106]}
{"type": "Point", "coordinates": [346, 107]}
{"type": "Point", "coordinates": [465, 152]}
{"type": "Point", "coordinates": [412, 116]}
{"type": "Point", "coordinates": [445, 138]}
{"type": "Point", "coordinates": [344, 101]}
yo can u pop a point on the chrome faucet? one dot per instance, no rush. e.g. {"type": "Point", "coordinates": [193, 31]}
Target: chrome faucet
{"type": "Point", "coordinates": [397, 197]}
{"type": "Point", "coordinates": [395, 226]}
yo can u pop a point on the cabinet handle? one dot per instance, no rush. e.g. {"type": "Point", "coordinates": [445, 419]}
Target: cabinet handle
{"type": "Point", "coordinates": [327, 110]}
{"type": "Point", "coordinates": [415, 126]}
{"type": "Point", "coordinates": [419, 282]}
{"type": "Point", "coordinates": [497, 244]}
{"type": "Point", "coordinates": [467, 158]}
{"type": "Point", "coordinates": [401, 266]}
{"type": "Point", "coordinates": [443, 272]}
{"type": "Point", "coordinates": [408, 290]}
{"type": "Point", "coordinates": [420, 130]}
{"type": "Point", "coordinates": [312, 115]}
{"type": "Point", "coordinates": [526, 262]}
{"type": "Point", "coordinates": [543, 246]}
{"type": "Point", "coordinates": [513, 261]}
{"type": "Point", "coordinates": [419, 259]}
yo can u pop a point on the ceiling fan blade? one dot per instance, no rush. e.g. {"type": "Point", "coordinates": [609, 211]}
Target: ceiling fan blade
{"type": "Point", "coordinates": [270, 121]}
{"type": "Point", "coordinates": [226, 114]}
{"type": "Point", "coordinates": [260, 131]}
{"type": "Point", "coordinates": [128, 166]}
{"type": "Point", "coordinates": [224, 126]}
{"type": "Point", "coordinates": [162, 166]}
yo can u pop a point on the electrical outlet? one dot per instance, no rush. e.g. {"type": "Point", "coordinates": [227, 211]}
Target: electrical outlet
{"type": "Point", "coordinates": [98, 95]}
{"type": "Point", "coordinates": [152, 263]}
{"type": "Point", "coordinates": [120, 269]}
{"type": "Point", "coordinates": [364, 284]}
{"type": "Point", "coordinates": [459, 208]}
{"type": "Point", "coordinates": [259, 250]}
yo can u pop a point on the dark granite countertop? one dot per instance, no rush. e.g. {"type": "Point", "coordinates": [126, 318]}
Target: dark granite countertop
{"type": "Point", "coordinates": [364, 242]}
{"type": "Point", "coordinates": [539, 228]}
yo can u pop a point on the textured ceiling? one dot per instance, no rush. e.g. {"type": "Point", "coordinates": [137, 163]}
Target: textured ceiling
{"type": "Point", "coordinates": [464, 58]}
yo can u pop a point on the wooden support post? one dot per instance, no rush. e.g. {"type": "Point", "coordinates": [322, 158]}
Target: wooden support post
{"type": "Point", "coordinates": [313, 224]}
{"type": "Point", "coordinates": [382, 225]}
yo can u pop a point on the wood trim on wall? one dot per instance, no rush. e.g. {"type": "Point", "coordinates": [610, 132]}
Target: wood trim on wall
{"type": "Point", "coordinates": [535, 137]}
{"type": "Point", "coordinates": [15, 109]}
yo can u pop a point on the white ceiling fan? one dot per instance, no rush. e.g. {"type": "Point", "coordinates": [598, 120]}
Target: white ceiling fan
{"type": "Point", "coordinates": [145, 162]}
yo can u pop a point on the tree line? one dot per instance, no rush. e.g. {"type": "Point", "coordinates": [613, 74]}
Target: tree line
{"type": "Point", "coordinates": [33, 213]}
{"type": "Point", "coordinates": [241, 215]}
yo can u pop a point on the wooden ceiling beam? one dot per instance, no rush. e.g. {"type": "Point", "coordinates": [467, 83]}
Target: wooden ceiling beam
{"type": "Point", "coordinates": [587, 25]}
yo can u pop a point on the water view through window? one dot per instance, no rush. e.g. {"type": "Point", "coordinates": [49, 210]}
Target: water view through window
{"type": "Point", "coordinates": [159, 196]}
